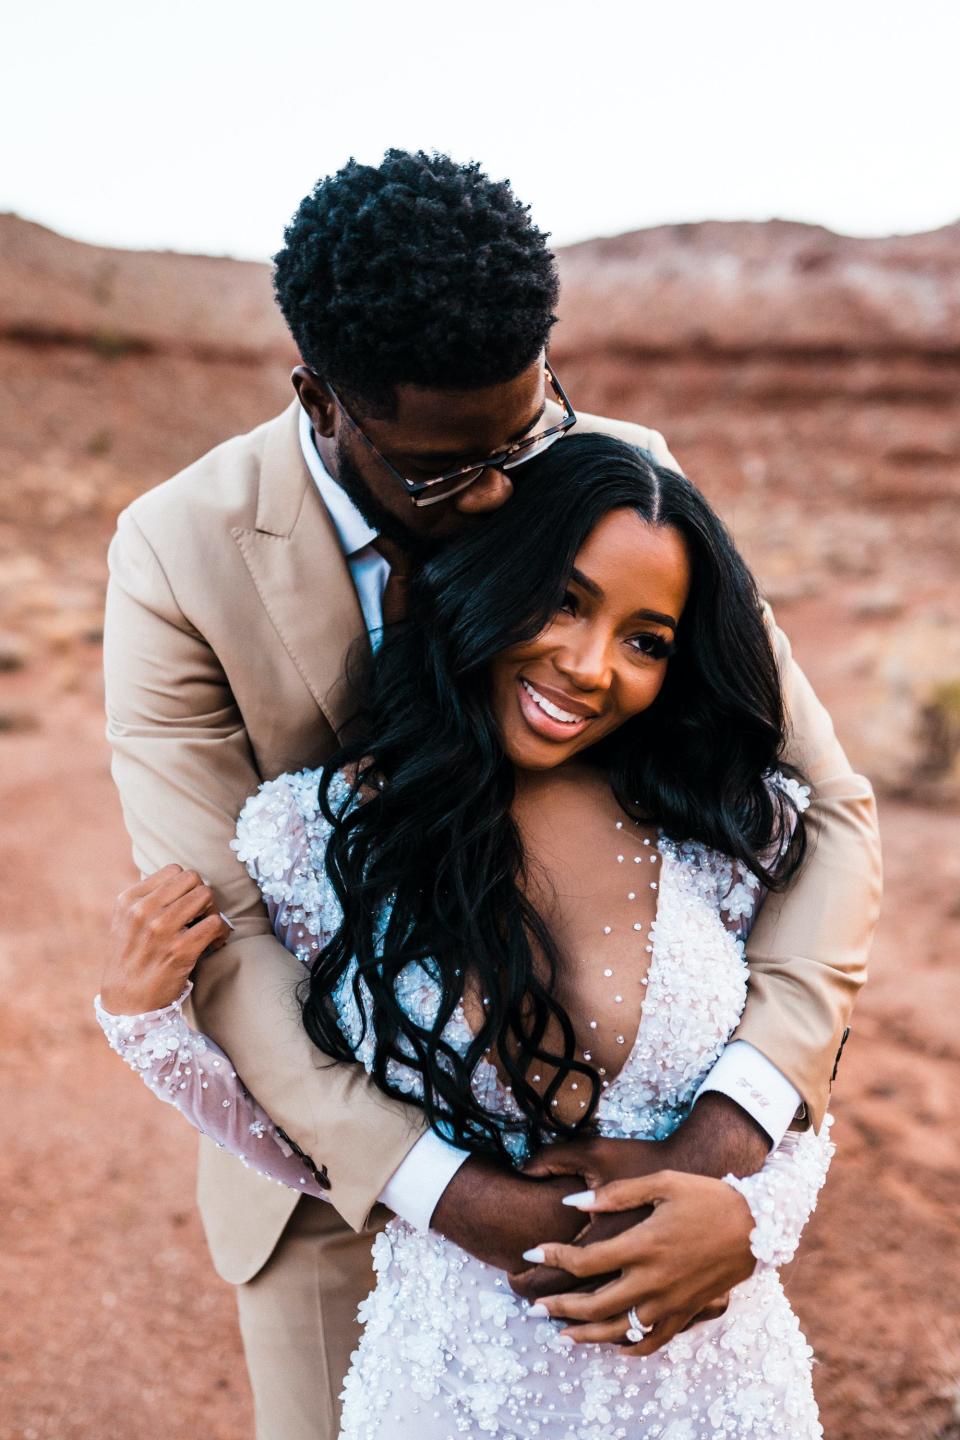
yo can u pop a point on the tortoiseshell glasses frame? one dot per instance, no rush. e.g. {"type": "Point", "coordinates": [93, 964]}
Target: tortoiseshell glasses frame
{"type": "Point", "coordinates": [429, 492]}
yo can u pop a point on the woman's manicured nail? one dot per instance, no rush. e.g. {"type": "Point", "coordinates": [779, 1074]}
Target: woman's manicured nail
{"type": "Point", "coordinates": [582, 1200]}
{"type": "Point", "coordinates": [535, 1256]}
{"type": "Point", "coordinates": [227, 921]}
{"type": "Point", "coordinates": [538, 1312]}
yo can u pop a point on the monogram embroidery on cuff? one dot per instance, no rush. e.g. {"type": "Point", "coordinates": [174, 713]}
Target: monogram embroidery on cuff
{"type": "Point", "coordinates": [756, 1096]}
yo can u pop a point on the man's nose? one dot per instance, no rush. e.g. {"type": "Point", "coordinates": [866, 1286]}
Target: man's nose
{"type": "Point", "coordinates": [488, 492]}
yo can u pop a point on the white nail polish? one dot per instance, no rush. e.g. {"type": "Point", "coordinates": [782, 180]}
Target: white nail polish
{"type": "Point", "coordinates": [538, 1312]}
{"type": "Point", "coordinates": [227, 921]}
{"type": "Point", "coordinates": [535, 1256]}
{"type": "Point", "coordinates": [582, 1200]}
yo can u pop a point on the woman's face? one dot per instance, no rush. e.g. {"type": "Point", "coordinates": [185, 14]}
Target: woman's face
{"type": "Point", "coordinates": [603, 657]}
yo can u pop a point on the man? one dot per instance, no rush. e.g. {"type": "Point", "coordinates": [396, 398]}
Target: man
{"type": "Point", "coordinates": [421, 298]}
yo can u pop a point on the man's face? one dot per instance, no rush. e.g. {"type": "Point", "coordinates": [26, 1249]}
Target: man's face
{"type": "Point", "coordinates": [431, 431]}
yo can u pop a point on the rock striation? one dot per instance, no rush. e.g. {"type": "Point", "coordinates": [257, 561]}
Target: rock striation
{"type": "Point", "coordinates": [809, 382]}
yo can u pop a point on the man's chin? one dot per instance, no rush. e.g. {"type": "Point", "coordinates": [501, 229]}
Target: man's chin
{"type": "Point", "coordinates": [376, 514]}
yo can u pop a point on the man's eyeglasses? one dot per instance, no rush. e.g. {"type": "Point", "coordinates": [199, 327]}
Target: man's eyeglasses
{"type": "Point", "coordinates": [451, 482]}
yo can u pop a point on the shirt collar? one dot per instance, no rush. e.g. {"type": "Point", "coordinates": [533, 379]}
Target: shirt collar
{"type": "Point", "coordinates": [352, 530]}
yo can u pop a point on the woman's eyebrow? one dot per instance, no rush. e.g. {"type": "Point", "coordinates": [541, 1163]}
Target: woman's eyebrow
{"type": "Point", "coordinates": [656, 616]}
{"type": "Point", "coordinates": [584, 581]}
{"type": "Point", "coordinates": [592, 588]}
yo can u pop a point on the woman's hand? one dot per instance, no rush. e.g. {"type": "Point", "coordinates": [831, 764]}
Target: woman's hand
{"type": "Point", "coordinates": [160, 929]}
{"type": "Point", "coordinates": [674, 1268]}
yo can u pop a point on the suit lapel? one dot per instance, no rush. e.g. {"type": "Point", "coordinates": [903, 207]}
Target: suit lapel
{"type": "Point", "coordinates": [301, 575]}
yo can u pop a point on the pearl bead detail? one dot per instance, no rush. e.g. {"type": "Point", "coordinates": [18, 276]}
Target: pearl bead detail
{"type": "Point", "coordinates": [696, 975]}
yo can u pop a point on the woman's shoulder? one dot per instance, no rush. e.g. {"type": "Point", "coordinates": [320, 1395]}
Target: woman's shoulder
{"type": "Point", "coordinates": [790, 797]}
{"type": "Point", "coordinates": [794, 791]}
{"type": "Point", "coordinates": [285, 816]}
{"type": "Point", "coordinates": [728, 884]}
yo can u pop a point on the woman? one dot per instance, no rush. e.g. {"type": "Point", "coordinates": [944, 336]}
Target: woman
{"type": "Point", "coordinates": [521, 893]}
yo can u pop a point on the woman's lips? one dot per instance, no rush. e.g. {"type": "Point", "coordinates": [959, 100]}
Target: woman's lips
{"type": "Point", "coordinates": [536, 708]}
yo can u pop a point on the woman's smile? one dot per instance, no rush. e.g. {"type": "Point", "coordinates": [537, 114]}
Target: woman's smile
{"type": "Point", "coordinates": [602, 657]}
{"type": "Point", "coordinates": [552, 713]}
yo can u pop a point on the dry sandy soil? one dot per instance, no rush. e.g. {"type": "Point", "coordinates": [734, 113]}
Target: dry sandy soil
{"type": "Point", "coordinates": [822, 419]}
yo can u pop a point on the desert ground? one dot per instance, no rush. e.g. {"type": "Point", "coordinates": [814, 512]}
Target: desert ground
{"type": "Point", "coordinates": [810, 384]}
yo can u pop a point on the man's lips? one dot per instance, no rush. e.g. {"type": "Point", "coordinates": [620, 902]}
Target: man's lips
{"type": "Point", "coordinates": [550, 713]}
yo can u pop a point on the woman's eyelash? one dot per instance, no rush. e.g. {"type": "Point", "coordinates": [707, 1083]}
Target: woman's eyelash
{"type": "Point", "coordinates": [654, 645]}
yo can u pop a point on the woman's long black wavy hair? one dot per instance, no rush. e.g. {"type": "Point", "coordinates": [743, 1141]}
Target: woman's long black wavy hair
{"type": "Point", "coordinates": [435, 846]}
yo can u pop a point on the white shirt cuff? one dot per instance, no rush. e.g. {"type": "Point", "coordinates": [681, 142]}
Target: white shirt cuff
{"type": "Point", "coordinates": [746, 1076]}
{"type": "Point", "coordinates": [414, 1189]}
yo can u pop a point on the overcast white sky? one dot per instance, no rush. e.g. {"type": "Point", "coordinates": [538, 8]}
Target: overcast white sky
{"type": "Point", "coordinates": [199, 124]}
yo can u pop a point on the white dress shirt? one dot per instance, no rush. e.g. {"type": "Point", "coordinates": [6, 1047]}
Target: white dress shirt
{"type": "Point", "coordinates": [367, 566]}
{"type": "Point", "coordinates": [742, 1073]}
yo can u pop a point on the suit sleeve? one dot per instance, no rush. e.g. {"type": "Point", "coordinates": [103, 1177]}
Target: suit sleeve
{"type": "Point", "coordinates": [650, 440]}
{"type": "Point", "coordinates": [183, 765]}
{"type": "Point", "coordinates": [660, 451]}
{"type": "Point", "coordinates": [808, 951]}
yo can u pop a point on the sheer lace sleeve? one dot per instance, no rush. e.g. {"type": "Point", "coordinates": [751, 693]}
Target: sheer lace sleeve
{"type": "Point", "coordinates": [190, 1072]}
{"type": "Point", "coordinates": [783, 1194]}
{"type": "Point", "coordinates": [281, 838]}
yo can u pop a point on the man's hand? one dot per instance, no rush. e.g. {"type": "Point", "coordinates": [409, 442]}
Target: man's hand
{"type": "Point", "coordinates": [716, 1139]}
{"type": "Point", "coordinates": [496, 1213]}
{"type": "Point", "coordinates": [670, 1269]}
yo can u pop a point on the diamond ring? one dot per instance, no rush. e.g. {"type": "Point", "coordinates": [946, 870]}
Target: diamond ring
{"type": "Point", "coordinates": [638, 1331]}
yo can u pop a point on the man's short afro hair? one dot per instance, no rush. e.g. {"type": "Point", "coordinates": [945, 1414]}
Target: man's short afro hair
{"type": "Point", "coordinates": [417, 271]}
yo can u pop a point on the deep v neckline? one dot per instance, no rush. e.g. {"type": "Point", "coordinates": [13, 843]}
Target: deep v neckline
{"type": "Point", "coordinates": [665, 865]}
{"type": "Point", "coordinates": [486, 1071]}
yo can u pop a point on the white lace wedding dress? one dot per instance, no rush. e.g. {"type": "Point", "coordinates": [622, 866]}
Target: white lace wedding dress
{"type": "Point", "coordinates": [448, 1350]}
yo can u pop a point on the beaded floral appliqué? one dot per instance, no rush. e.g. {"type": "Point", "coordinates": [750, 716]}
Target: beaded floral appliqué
{"type": "Point", "coordinates": [447, 1349]}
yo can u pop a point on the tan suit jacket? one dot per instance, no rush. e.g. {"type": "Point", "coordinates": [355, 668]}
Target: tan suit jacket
{"type": "Point", "coordinates": [230, 612]}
